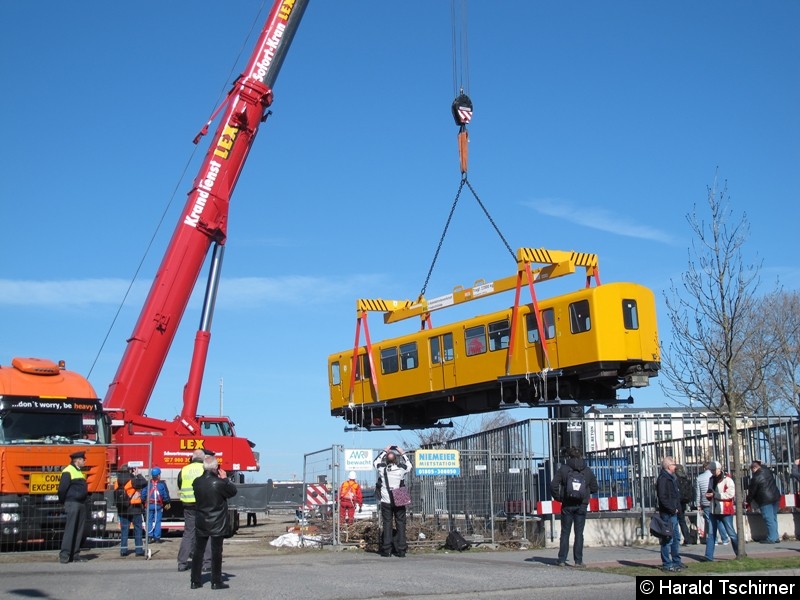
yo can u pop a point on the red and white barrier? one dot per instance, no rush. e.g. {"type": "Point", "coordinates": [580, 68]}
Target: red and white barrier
{"type": "Point", "coordinates": [610, 503]}
{"type": "Point", "coordinates": [548, 507]}
{"type": "Point", "coordinates": [316, 495]}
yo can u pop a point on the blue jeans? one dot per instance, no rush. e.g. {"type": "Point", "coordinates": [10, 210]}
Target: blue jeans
{"type": "Point", "coordinates": [720, 522]}
{"type": "Point", "coordinates": [770, 514]}
{"type": "Point", "coordinates": [671, 548]}
{"type": "Point", "coordinates": [124, 528]}
{"type": "Point", "coordinates": [572, 515]}
{"type": "Point", "coordinates": [723, 536]}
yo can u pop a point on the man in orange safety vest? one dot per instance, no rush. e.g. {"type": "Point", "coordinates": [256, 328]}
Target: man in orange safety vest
{"type": "Point", "coordinates": [350, 496]}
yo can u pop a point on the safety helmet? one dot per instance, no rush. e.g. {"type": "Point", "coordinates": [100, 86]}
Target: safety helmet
{"type": "Point", "coordinates": [155, 471]}
{"type": "Point", "coordinates": [352, 475]}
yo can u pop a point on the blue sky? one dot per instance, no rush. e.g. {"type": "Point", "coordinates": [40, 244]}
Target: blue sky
{"type": "Point", "coordinates": [597, 128]}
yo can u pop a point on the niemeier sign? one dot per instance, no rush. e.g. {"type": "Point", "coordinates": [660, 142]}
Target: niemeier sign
{"type": "Point", "coordinates": [437, 462]}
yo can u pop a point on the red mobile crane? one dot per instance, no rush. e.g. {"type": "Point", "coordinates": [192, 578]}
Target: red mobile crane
{"type": "Point", "coordinates": [202, 225]}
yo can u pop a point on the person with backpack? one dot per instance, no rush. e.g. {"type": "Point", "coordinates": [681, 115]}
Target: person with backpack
{"type": "Point", "coordinates": [686, 489]}
{"type": "Point", "coordinates": [572, 485]}
{"type": "Point", "coordinates": [128, 498]}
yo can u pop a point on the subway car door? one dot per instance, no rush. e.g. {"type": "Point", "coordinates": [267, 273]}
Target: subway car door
{"type": "Point", "coordinates": [443, 364]}
{"type": "Point", "coordinates": [633, 339]}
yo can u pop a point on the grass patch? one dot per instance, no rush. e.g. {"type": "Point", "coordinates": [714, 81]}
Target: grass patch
{"type": "Point", "coordinates": [719, 566]}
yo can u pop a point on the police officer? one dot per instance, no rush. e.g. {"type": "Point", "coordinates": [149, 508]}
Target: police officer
{"type": "Point", "coordinates": [186, 477]}
{"type": "Point", "coordinates": [72, 492]}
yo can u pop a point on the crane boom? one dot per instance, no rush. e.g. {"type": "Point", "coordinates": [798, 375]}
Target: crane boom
{"type": "Point", "coordinates": [203, 221]}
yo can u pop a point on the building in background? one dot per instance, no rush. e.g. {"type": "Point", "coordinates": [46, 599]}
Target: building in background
{"type": "Point", "coordinates": [621, 427]}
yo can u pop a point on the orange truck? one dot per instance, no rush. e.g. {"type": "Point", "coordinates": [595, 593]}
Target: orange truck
{"type": "Point", "coordinates": [46, 414]}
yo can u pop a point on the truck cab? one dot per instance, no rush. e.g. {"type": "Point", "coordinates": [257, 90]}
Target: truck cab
{"type": "Point", "coordinates": [46, 413]}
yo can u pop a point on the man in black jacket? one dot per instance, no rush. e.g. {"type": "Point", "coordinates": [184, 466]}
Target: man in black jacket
{"type": "Point", "coordinates": [73, 491]}
{"type": "Point", "coordinates": [764, 491]}
{"type": "Point", "coordinates": [669, 506]}
{"type": "Point", "coordinates": [211, 491]}
{"type": "Point", "coordinates": [573, 473]}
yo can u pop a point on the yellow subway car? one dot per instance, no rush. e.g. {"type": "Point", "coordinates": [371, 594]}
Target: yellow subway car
{"type": "Point", "coordinates": [598, 341]}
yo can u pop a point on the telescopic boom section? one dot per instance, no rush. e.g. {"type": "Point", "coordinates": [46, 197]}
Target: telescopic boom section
{"type": "Point", "coordinates": [205, 216]}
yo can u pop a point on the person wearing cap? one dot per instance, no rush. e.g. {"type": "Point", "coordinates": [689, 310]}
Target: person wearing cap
{"type": "Point", "coordinates": [73, 492]}
{"type": "Point", "coordinates": [128, 491]}
{"type": "Point", "coordinates": [350, 496]}
{"type": "Point", "coordinates": [704, 504]}
{"type": "Point", "coordinates": [211, 490]}
{"type": "Point", "coordinates": [157, 499]}
{"type": "Point", "coordinates": [763, 491]}
{"type": "Point", "coordinates": [721, 493]}
{"type": "Point", "coordinates": [186, 478]}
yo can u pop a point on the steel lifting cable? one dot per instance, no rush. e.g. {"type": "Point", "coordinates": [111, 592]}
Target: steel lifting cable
{"type": "Point", "coordinates": [186, 166]}
{"type": "Point", "coordinates": [462, 114]}
{"type": "Point", "coordinates": [464, 181]}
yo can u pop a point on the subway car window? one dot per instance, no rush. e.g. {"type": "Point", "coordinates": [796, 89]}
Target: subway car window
{"type": "Point", "coordinates": [630, 314]}
{"type": "Point", "coordinates": [548, 322]}
{"type": "Point", "coordinates": [389, 362]}
{"type": "Point", "coordinates": [579, 320]}
{"type": "Point", "coordinates": [475, 340]}
{"type": "Point", "coordinates": [408, 356]}
{"type": "Point", "coordinates": [336, 376]}
{"type": "Point", "coordinates": [447, 343]}
{"type": "Point", "coordinates": [498, 335]}
{"type": "Point", "coordinates": [436, 352]}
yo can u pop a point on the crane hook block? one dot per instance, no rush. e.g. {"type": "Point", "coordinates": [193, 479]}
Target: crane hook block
{"type": "Point", "coordinates": [462, 109]}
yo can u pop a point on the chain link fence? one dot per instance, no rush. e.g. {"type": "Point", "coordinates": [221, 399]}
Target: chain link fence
{"type": "Point", "coordinates": [502, 491]}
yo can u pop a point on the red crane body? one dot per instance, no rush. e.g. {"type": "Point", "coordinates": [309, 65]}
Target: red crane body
{"type": "Point", "coordinates": [202, 223]}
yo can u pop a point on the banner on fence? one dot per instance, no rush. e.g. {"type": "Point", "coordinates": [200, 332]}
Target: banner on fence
{"type": "Point", "coordinates": [358, 459]}
{"type": "Point", "coordinates": [437, 462]}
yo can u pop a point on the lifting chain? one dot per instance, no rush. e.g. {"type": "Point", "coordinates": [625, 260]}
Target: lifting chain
{"type": "Point", "coordinates": [464, 181]}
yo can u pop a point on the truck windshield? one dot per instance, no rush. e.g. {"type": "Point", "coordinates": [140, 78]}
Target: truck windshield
{"type": "Point", "coordinates": [49, 428]}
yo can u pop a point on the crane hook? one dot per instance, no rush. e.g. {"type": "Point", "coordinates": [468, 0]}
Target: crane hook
{"type": "Point", "coordinates": [462, 113]}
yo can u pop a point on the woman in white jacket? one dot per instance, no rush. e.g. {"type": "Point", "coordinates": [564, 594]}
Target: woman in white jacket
{"type": "Point", "coordinates": [392, 468]}
{"type": "Point", "coordinates": [721, 492]}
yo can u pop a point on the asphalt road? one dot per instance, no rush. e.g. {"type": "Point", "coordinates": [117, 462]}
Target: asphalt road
{"type": "Point", "coordinates": [254, 569]}
{"type": "Point", "coordinates": [320, 574]}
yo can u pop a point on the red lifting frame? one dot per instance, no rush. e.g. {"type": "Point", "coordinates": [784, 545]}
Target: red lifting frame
{"type": "Point", "coordinates": [362, 315]}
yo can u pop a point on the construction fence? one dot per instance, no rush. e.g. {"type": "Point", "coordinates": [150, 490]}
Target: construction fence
{"type": "Point", "coordinates": [494, 486]}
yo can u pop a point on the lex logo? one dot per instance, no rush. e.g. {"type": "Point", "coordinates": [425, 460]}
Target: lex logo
{"type": "Point", "coordinates": [192, 444]}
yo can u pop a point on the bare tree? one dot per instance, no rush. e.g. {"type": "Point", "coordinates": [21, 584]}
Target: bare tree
{"type": "Point", "coordinates": [782, 324]}
{"type": "Point", "coordinates": [438, 438]}
{"type": "Point", "coordinates": [710, 316]}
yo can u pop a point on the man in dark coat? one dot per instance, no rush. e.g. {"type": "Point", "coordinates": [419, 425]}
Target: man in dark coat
{"type": "Point", "coordinates": [669, 507]}
{"type": "Point", "coordinates": [764, 491]}
{"type": "Point", "coordinates": [73, 491]}
{"type": "Point", "coordinates": [573, 509]}
{"type": "Point", "coordinates": [211, 491]}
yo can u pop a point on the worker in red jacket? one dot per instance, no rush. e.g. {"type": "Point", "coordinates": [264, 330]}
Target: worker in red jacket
{"type": "Point", "coordinates": [350, 496]}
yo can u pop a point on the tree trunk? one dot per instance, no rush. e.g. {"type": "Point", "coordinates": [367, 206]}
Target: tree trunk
{"type": "Point", "coordinates": [737, 481]}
